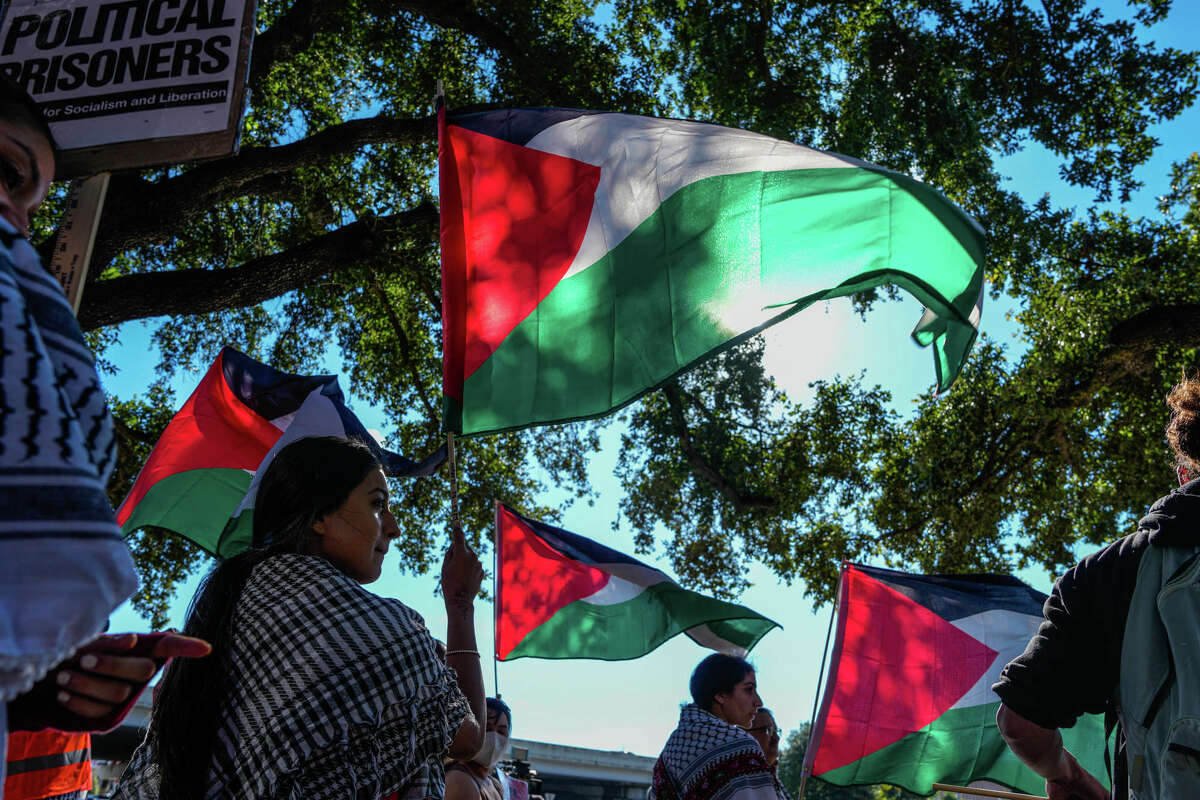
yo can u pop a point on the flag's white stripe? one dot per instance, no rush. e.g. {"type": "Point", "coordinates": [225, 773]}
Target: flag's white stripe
{"type": "Point", "coordinates": [1006, 632]}
{"type": "Point", "coordinates": [283, 422]}
{"type": "Point", "coordinates": [317, 416]}
{"type": "Point", "coordinates": [703, 636]}
{"type": "Point", "coordinates": [616, 590]}
{"type": "Point", "coordinates": [929, 317]}
{"type": "Point", "coordinates": [626, 582]}
{"type": "Point", "coordinates": [644, 161]}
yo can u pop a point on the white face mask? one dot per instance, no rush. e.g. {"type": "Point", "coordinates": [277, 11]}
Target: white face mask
{"type": "Point", "coordinates": [495, 749]}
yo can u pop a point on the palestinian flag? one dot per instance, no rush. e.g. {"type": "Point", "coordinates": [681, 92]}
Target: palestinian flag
{"type": "Point", "coordinates": [201, 477]}
{"type": "Point", "coordinates": [559, 595]}
{"type": "Point", "coordinates": [909, 699]}
{"type": "Point", "coordinates": [588, 257]}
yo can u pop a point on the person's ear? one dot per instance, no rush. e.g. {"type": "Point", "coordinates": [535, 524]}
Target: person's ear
{"type": "Point", "coordinates": [1182, 474]}
{"type": "Point", "coordinates": [319, 527]}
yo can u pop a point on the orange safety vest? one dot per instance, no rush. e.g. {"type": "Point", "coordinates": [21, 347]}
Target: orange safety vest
{"type": "Point", "coordinates": [49, 763]}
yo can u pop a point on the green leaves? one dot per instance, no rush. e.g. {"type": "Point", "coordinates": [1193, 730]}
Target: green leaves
{"type": "Point", "coordinates": [1044, 445]}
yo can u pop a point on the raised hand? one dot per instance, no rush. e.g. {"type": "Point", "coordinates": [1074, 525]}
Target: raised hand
{"type": "Point", "coordinates": [462, 574]}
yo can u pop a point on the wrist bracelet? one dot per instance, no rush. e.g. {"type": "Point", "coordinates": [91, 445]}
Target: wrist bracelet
{"type": "Point", "coordinates": [463, 652]}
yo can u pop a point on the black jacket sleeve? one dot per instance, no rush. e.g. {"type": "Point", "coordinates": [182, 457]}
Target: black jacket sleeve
{"type": "Point", "coordinates": [1071, 665]}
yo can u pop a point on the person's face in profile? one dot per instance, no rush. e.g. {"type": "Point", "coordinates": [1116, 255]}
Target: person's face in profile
{"type": "Point", "coordinates": [355, 538]}
{"type": "Point", "coordinates": [766, 733]}
{"type": "Point", "coordinates": [738, 707]}
{"type": "Point", "coordinates": [26, 169]}
{"type": "Point", "coordinates": [497, 721]}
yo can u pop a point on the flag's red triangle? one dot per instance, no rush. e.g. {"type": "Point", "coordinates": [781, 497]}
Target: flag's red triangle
{"type": "Point", "coordinates": [214, 429]}
{"type": "Point", "coordinates": [513, 219]}
{"type": "Point", "coordinates": [899, 667]}
{"type": "Point", "coordinates": [535, 581]}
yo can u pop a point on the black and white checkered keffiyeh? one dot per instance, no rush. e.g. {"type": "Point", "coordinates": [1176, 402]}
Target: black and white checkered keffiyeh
{"type": "Point", "coordinates": [63, 565]}
{"type": "Point", "coordinates": [706, 758]}
{"type": "Point", "coordinates": [338, 693]}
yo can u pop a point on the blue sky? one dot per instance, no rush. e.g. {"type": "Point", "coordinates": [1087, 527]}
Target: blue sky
{"type": "Point", "coordinates": [634, 705]}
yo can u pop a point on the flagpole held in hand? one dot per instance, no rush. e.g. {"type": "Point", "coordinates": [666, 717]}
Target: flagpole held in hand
{"type": "Point", "coordinates": [496, 601]}
{"type": "Point", "coordinates": [454, 519]}
{"type": "Point", "coordinates": [806, 771]}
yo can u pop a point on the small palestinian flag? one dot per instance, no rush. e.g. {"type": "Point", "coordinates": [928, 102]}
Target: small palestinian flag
{"type": "Point", "coordinates": [560, 595]}
{"type": "Point", "coordinates": [201, 477]}
{"type": "Point", "coordinates": [588, 257]}
{"type": "Point", "coordinates": [909, 699]}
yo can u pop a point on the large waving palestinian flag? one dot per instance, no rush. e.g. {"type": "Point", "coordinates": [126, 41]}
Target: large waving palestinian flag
{"type": "Point", "coordinates": [588, 257]}
{"type": "Point", "coordinates": [560, 595]}
{"type": "Point", "coordinates": [909, 700]}
{"type": "Point", "coordinates": [200, 480]}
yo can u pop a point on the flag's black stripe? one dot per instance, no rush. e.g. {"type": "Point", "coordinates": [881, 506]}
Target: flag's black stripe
{"type": "Point", "coordinates": [516, 125]}
{"type": "Point", "coordinates": [953, 597]}
{"type": "Point", "coordinates": [574, 546]}
{"type": "Point", "coordinates": [272, 394]}
{"type": "Point", "coordinates": [265, 390]}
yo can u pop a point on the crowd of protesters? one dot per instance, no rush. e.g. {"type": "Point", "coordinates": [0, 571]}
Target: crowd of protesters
{"type": "Point", "coordinates": [291, 679]}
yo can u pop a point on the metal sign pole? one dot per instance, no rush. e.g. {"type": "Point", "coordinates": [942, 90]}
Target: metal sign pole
{"type": "Point", "coordinates": [77, 235]}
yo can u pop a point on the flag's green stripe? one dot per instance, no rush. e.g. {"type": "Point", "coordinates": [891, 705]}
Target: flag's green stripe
{"type": "Point", "coordinates": [635, 627]}
{"type": "Point", "coordinates": [964, 745]}
{"type": "Point", "coordinates": [237, 536]}
{"type": "Point", "coordinates": [662, 299]}
{"type": "Point", "coordinates": [195, 504]}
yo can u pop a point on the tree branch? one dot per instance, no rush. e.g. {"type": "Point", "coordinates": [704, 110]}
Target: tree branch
{"type": "Point", "coordinates": [292, 32]}
{"type": "Point", "coordinates": [702, 467]}
{"type": "Point", "coordinates": [762, 36]}
{"type": "Point", "coordinates": [431, 415]}
{"type": "Point", "coordinates": [202, 291]}
{"type": "Point", "coordinates": [461, 15]}
{"type": "Point", "coordinates": [139, 213]}
{"type": "Point", "coordinates": [128, 432]}
{"type": "Point", "coordinates": [1130, 343]}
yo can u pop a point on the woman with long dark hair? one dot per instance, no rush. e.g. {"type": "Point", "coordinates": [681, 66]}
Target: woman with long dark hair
{"type": "Point", "coordinates": [316, 687]}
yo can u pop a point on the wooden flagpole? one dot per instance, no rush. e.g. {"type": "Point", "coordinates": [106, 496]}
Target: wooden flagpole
{"type": "Point", "coordinates": [455, 522]}
{"type": "Point", "coordinates": [949, 787]}
{"type": "Point", "coordinates": [812, 722]}
{"type": "Point", "coordinates": [496, 600]}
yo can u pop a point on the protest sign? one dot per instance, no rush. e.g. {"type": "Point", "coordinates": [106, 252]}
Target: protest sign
{"type": "Point", "coordinates": [131, 83]}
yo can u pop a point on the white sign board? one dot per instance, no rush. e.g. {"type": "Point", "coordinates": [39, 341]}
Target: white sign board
{"type": "Point", "coordinates": [114, 75]}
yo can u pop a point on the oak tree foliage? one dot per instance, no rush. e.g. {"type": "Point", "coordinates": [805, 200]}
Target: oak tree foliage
{"type": "Point", "coordinates": [321, 233]}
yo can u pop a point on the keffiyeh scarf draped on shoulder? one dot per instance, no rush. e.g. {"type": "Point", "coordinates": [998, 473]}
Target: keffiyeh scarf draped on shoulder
{"type": "Point", "coordinates": [338, 693]}
{"type": "Point", "coordinates": [706, 758]}
{"type": "Point", "coordinates": [63, 565]}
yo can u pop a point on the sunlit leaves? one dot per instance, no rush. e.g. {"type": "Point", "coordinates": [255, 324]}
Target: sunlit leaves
{"type": "Point", "coordinates": [1037, 449]}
